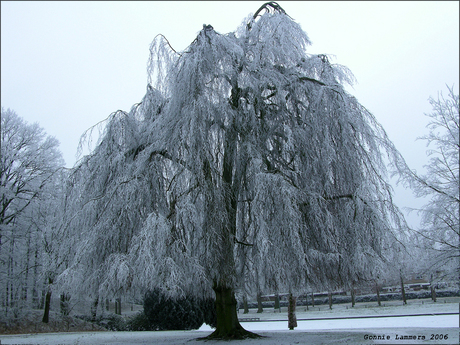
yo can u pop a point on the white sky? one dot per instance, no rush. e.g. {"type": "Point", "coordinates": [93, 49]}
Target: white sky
{"type": "Point", "coordinates": [69, 65]}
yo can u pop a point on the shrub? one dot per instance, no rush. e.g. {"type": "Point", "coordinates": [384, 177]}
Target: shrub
{"type": "Point", "coordinates": [164, 313]}
{"type": "Point", "coordinates": [111, 322]}
{"type": "Point", "coordinates": [139, 322]}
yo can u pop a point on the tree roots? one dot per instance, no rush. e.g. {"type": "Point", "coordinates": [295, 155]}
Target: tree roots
{"type": "Point", "coordinates": [236, 334]}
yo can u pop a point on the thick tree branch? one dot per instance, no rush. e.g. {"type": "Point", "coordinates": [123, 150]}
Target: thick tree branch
{"type": "Point", "coordinates": [243, 243]}
{"type": "Point", "coordinates": [337, 197]}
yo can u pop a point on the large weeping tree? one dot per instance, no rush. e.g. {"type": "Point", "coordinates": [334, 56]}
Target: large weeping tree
{"type": "Point", "coordinates": [246, 167]}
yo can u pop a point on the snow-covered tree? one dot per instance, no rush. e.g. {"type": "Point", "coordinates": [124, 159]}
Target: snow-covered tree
{"type": "Point", "coordinates": [106, 204]}
{"type": "Point", "coordinates": [57, 247]}
{"type": "Point", "coordinates": [28, 165]}
{"type": "Point", "coordinates": [440, 216]}
{"type": "Point", "coordinates": [246, 167]}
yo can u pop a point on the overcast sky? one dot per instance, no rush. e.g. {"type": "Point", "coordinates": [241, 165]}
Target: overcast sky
{"type": "Point", "coordinates": [68, 65]}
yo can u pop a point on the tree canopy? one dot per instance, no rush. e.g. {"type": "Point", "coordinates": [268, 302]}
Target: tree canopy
{"type": "Point", "coordinates": [246, 167]}
{"type": "Point", "coordinates": [30, 165]}
{"type": "Point", "coordinates": [440, 224]}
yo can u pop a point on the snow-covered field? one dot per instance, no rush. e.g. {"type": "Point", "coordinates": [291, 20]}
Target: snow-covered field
{"type": "Point", "coordinates": [373, 328]}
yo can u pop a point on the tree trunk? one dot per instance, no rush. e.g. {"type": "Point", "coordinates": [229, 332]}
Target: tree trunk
{"type": "Point", "coordinates": [65, 307]}
{"type": "Point", "coordinates": [94, 309]}
{"type": "Point", "coordinates": [260, 308]}
{"type": "Point", "coordinates": [42, 300]}
{"type": "Point", "coordinates": [228, 326]}
{"type": "Point", "coordinates": [46, 313]}
{"type": "Point", "coordinates": [292, 320]}
{"type": "Point", "coordinates": [118, 306]}
{"type": "Point", "coordinates": [330, 300]}
{"type": "Point", "coordinates": [245, 305]}
{"type": "Point", "coordinates": [403, 291]}
{"type": "Point", "coordinates": [25, 287]}
{"type": "Point", "coordinates": [433, 294]}
{"type": "Point", "coordinates": [377, 288]}
{"type": "Point", "coordinates": [432, 288]}
{"type": "Point", "coordinates": [352, 296]}
{"type": "Point", "coordinates": [35, 297]}
{"type": "Point", "coordinates": [277, 302]}
{"type": "Point", "coordinates": [312, 300]}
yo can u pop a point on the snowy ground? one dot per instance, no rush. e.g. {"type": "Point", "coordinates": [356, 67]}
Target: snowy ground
{"type": "Point", "coordinates": [378, 325]}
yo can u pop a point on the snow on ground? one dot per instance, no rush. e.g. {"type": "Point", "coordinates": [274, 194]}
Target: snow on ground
{"type": "Point", "coordinates": [444, 321]}
{"type": "Point", "coordinates": [438, 329]}
{"type": "Point", "coordinates": [285, 337]}
{"type": "Point", "coordinates": [421, 306]}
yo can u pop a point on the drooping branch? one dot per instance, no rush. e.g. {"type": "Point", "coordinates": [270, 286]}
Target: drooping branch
{"type": "Point", "coordinates": [267, 5]}
{"type": "Point", "coordinates": [312, 80]}
{"type": "Point", "coordinates": [337, 197]}
{"type": "Point", "coordinates": [167, 42]}
{"type": "Point", "coordinates": [167, 155]}
{"type": "Point", "coordinates": [243, 243]}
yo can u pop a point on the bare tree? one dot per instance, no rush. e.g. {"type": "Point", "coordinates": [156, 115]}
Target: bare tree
{"type": "Point", "coordinates": [439, 229]}
{"type": "Point", "coordinates": [28, 165]}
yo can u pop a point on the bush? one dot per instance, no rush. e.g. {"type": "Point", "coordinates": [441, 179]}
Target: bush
{"type": "Point", "coordinates": [208, 308]}
{"type": "Point", "coordinates": [164, 313]}
{"type": "Point", "coordinates": [139, 322]}
{"type": "Point", "coordinates": [111, 322]}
